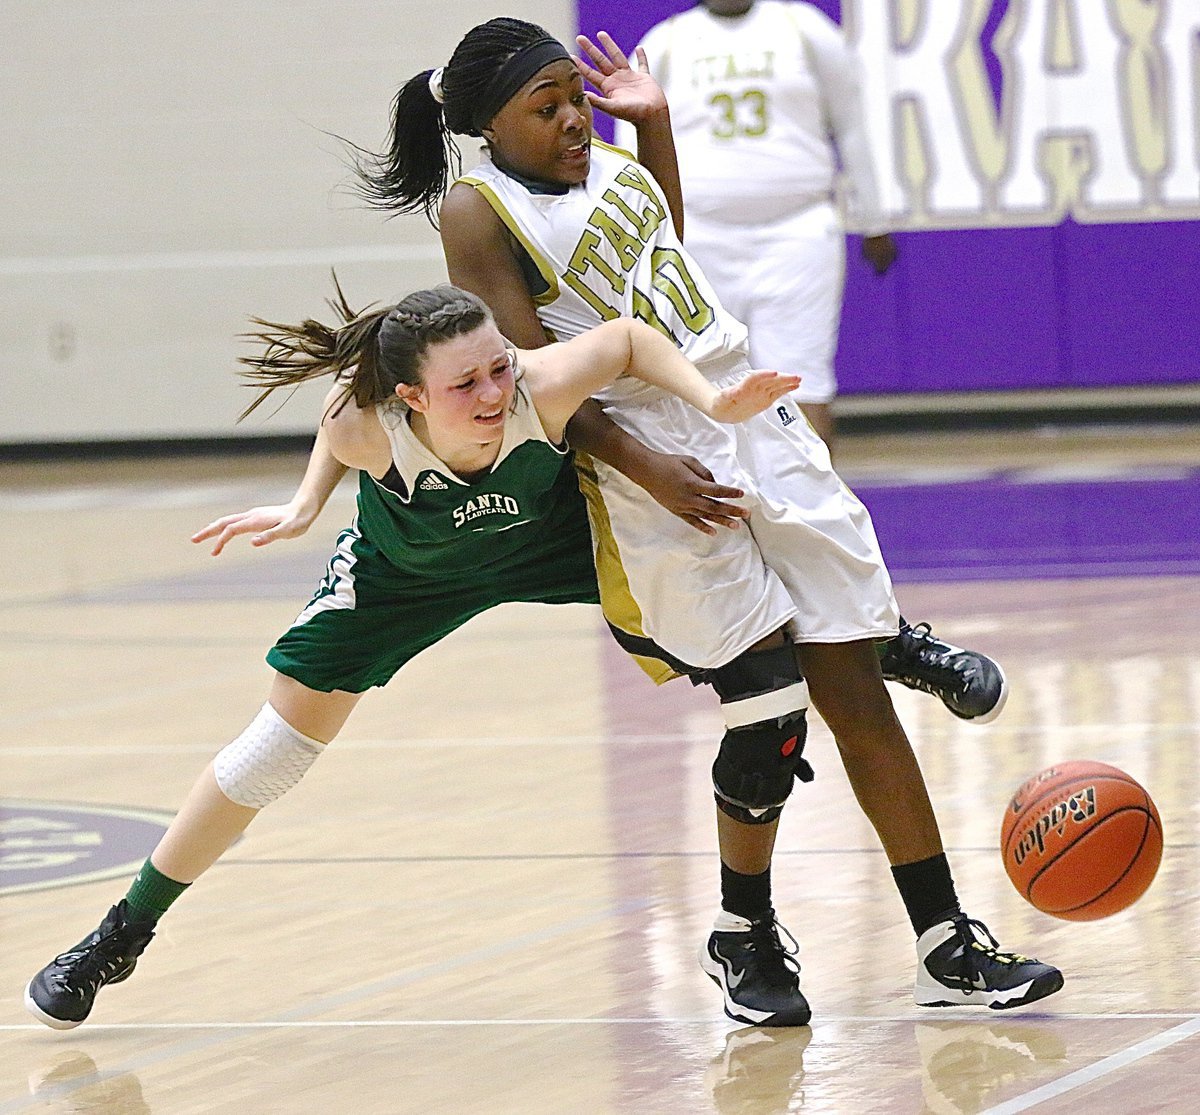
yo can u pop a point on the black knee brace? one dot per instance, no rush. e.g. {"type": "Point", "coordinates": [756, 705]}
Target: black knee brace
{"type": "Point", "coordinates": [764, 697]}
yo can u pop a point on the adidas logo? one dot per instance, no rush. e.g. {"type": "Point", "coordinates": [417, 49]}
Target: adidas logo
{"type": "Point", "coordinates": [433, 483]}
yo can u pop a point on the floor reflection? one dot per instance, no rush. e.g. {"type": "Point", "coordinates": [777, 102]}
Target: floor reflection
{"type": "Point", "coordinates": [759, 1072]}
{"type": "Point", "coordinates": [964, 1064]}
{"type": "Point", "coordinates": [72, 1084]}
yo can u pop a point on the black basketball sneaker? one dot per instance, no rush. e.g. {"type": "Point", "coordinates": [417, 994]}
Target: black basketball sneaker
{"type": "Point", "coordinates": [62, 993]}
{"type": "Point", "coordinates": [758, 975]}
{"type": "Point", "coordinates": [959, 963]}
{"type": "Point", "coordinates": [969, 684]}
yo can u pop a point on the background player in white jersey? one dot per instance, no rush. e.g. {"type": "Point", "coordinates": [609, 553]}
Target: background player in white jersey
{"type": "Point", "coordinates": [765, 104]}
{"type": "Point", "coordinates": [557, 234]}
{"type": "Point", "coordinates": [466, 500]}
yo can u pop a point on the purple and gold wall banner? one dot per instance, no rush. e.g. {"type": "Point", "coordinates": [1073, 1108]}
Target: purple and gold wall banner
{"type": "Point", "coordinates": [51, 844]}
{"type": "Point", "coordinates": [1041, 162]}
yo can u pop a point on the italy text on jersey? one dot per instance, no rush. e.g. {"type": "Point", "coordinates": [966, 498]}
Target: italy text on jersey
{"type": "Point", "coordinates": [627, 218]}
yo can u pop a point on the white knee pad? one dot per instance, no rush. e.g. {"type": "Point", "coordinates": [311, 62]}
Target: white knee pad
{"type": "Point", "coordinates": [265, 761]}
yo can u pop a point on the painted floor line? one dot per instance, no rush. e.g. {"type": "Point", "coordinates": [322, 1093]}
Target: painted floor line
{"type": "Point", "coordinates": [1101, 1068]}
{"type": "Point", "coordinates": [1192, 1025]}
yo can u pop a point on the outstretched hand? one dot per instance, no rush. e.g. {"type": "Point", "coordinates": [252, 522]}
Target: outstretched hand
{"type": "Point", "coordinates": [749, 396]}
{"type": "Point", "coordinates": [267, 524]}
{"type": "Point", "coordinates": [626, 93]}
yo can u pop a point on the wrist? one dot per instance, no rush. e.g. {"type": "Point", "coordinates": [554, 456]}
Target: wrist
{"type": "Point", "coordinates": [655, 118]}
{"type": "Point", "coordinates": [304, 509]}
{"type": "Point", "coordinates": [635, 460]}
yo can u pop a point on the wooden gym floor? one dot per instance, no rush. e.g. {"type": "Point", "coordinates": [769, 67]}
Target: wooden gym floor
{"type": "Point", "coordinates": [488, 896]}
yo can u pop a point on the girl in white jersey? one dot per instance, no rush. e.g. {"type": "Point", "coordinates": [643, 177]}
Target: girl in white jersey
{"type": "Point", "coordinates": [767, 113]}
{"type": "Point", "coordinates": [558, 233]}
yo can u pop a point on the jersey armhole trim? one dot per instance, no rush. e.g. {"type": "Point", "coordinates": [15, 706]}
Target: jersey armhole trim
{"type": "Point", "coordinates": [525, 394]}
{"type": "Point", "coordinates": [544, 269]}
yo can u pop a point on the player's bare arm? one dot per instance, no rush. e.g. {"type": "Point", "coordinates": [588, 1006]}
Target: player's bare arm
{"type": "Point", "coordinates": [355, 437]}
{"type": "Point", "coordinates": [563, 375]}
{"type": "Point", "coordinates": [274, 522]}
{"type": "Point", "coordinates": [480, 258]}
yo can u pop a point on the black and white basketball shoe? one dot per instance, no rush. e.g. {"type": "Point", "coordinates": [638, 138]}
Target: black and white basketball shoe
{"type": "Point", "coordinates": [969, 684]}
{"type": "Point", "coordinates": [959, 964]}
{"type": "Point", "coordinates": [62, 993]}
{"type": "Point", "coordinates": [757, 973]}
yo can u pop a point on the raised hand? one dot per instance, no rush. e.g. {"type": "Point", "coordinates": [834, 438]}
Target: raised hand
{"type": "Point", "coordinates": [626, 93]}
{"type": "Point", "coordinates": [267, 524]}
{"type": "Point", "coordinates": [754, 393]}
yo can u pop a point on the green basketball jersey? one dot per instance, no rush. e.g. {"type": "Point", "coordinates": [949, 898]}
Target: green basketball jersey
{"type": "Point", "coordinates": [433, 525]}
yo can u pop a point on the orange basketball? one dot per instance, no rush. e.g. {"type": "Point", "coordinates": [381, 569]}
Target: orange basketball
{"type": "Point", "coordinates": [1081, 840]}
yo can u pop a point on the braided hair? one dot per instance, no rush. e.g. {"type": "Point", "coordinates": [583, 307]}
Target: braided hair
{"type": "Point", "coordinates": [372, 350]}
{"type": "Point", "coordinates": [413, 172]}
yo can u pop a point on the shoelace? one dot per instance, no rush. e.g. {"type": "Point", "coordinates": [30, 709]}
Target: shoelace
{"type": "Point", "coordinates": [767, 936]}
{"type": "Point", "coordinates": [93, 970]}
{"type": "Point", "coordinates": [921, 654]}
{"type": "Point", "coordinates": [969, 931]}
{"type": "Point", "coordinates": [92, 964]}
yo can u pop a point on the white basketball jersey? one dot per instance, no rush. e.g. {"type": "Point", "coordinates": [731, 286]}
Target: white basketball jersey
{"type": "Point", "coordinates": [606, 249]}
{"type": "Point", "coordinates": [754, 102]}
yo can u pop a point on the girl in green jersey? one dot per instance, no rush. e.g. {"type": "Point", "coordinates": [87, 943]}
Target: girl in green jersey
{"type": "Point", "coordinates": [467, 499]}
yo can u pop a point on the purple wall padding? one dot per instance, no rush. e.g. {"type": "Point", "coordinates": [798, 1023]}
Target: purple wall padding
{"type": "Point", "coordinates": [1005, 527]}
{"type": "Point", "coordinates": [1002, 309]}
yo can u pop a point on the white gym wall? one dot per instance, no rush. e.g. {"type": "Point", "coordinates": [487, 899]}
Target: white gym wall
{"type": "Point", "coordinates": [165, 175]}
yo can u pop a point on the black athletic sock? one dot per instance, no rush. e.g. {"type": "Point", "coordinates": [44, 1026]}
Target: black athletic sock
{"type": "Point", "coordinates": [928, 891]}
{"type": "Point", "coordinates": [748, 896]}
{"type": "Point", "coordinates": [151, 894]}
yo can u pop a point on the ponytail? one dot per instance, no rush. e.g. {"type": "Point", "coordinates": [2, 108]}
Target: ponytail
{"type": "Point", "coordinates": [373, 349]}
{"type": "Point", "coordinates": [491, 62]}
{"type": "Point", "coordinates": [414, 171]}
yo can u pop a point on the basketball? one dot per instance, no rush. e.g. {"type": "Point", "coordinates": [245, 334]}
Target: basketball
{"type": "Point", "coordinates": [1081, 840]}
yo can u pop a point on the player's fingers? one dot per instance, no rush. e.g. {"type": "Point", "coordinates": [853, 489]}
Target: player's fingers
{"type": "Point", "coordinates": [780, 388]}
{"type": "Point", "coordinates": [725, 513]}
{"type": "Point", "coordinates": [695, 466]}
{"type": "Point", "coordinates": [698, 523]}
{"type": "Point", "coordinates": [722, 491]}
{"type": "Point", "coordinates": [614, 52]}
{"type": "Point", "coordinates": [589, 74]}
{"type": "Point", "coordinates": [215, 527]}
{"type": "Point", "coordinates": [643, 61]}
{"type": "Point", "coordinates": [729, 521]}
{"type": "Point", "coordinates": [599, 59]}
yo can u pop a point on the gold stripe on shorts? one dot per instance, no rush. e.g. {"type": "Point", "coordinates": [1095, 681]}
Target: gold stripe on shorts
{"type": "Point", "coordinates": [616, 600]}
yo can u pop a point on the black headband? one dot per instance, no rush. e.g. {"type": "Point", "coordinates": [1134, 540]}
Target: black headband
{"type": "Point", "coordinates": [513, 74]}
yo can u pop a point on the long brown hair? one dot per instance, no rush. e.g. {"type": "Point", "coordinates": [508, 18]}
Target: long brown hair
{"type": "Point", "coordinates": [371, 350]}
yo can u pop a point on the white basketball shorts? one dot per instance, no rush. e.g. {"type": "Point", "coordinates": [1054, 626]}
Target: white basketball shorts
{"type": "Point", "coordinates": [784, 280]}
{"type": "Point", "coordinates": [807, 560]}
